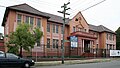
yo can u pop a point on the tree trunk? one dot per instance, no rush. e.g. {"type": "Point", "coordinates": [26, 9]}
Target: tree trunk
{"type": "Point", "coordinates": [20, 52]}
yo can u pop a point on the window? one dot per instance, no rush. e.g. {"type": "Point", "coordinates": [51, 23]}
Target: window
{"type": "Point", "coordinates": [19, 18]}
{"type": "Point", "coordinates": [56, 28]}
{"type": "Point", "coordinates": [61, 29]}
{"type": "Point", "coordinates": [38, 43]}
{"type": "Point", "coordinates": [110, 46]}
{"type": "Point", "coordinates": [57, 43]}
{"type": "Point", "coordinates": [11, 56]}
{"type": "Point", "coordinates": [110, 36]}
{"type": "Point", "coordinates": [48, 27]}
{"type": "Point", "coordinates": [48, 43]}
{"type": "Point", "coordinates": [107, 36]}
{"type": "Point", "coordinates": [39, 22]}
{"type": "Point", "coordinates": [73, 29]}
{"type": "Point", "coordinates": [29, 20]}
{"type": "Point", "coordinates": [78, 29]}
{"type": "Point", "coordinates": [53, 43]}
{"type": "Point", "coordinates": [53, 28]}
{"type": "Point", "coordinates": [113, 37]}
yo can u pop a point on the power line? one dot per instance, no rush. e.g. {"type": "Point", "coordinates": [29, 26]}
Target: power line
{"type": "Point", "coordinates": [93, 5]}
{"type": "Point", "coordinates": [88, 7]}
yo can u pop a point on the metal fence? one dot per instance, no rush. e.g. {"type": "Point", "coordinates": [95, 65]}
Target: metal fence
{"type": "Point", "coordinates": [45, 52]}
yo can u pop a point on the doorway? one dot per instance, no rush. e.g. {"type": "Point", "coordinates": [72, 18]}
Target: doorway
{"type": "Point", "coordinates": [87, 46]}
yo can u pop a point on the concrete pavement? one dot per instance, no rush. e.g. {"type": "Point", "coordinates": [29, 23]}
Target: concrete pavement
{"type": "Point", "coordinates": [111, 64]}
{"type": "Point", "coordinates": [51, 63]}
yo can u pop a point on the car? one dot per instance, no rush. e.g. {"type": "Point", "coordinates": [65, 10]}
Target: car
{"type": "Point", "coordinates": [1, 52]}
{"type": "Point", "coordinates": [12, 60]}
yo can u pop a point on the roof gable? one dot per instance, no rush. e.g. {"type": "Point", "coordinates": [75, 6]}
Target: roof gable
{"type": "Point", "coordinates": [28, 9]}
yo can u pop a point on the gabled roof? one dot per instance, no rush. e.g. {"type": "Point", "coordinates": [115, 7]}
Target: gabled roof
{"type": "Point", "coordinates": [28, 9]}
{"type": "Point", "coordinates": [23, 8]}
{"type": "Point", "coordinates": [51, 17]}
{"type": "Point", "coordinates": [100, 28]}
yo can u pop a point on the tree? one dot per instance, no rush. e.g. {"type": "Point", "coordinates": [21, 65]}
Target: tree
{"type": "Point", "coordinates": [23, 38]}
{"type": "Point", "coordinates": [118, 38]}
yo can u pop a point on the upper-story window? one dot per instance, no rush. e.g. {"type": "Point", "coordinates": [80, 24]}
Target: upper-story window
{"type": "Point", "coordinates": [29, 20]}
{"type": "Point", "coordinates": [110, 36]}
{"type": "Point", "coordinates": [73, 29]}
{"type": "Point", "coordinates": [19, 18]}
{"type": "Point", "coordinates": [107, 36]}
{"type": "Point", "coordinates": [61, 29]}
{"type": "Point", "coordinates": [39, 22]}
{"type": "Point", "coordinates": [48, 27]}
{"type": "Point", "coordinates": [53, 28]}
{"type": "Point", "coordinates": [113, 37]}
{"type": "Point", "coordinates": [56, 28]}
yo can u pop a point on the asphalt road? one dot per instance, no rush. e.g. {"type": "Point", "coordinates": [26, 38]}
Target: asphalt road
{"type": "Point", "coordinates": [112, 64]}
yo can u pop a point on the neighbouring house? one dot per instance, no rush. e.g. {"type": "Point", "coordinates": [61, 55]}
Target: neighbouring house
{"type": "Point", "coordinates": [83, 38]}
{"type": "Point", "coordinates": [2, 48]}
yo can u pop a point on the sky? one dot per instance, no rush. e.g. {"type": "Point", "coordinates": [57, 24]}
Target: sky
{"type": "Point", "coordinates": [106, 13]}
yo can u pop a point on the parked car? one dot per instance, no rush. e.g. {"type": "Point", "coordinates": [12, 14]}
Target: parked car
{"type": "Point", "coordinates": [12, 60]}
{"type": "Point", "coordinates": [1, 52]}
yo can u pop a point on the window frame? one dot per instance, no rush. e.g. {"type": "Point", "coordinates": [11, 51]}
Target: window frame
{"type": "Point", "coordinates": [48, 45]}
{"type": "Point", "coordinates": [38, 21]}
{"type": "Point", "coordinates": [19, 19]}
{"type": "Point", "coordinates": [48, 27]}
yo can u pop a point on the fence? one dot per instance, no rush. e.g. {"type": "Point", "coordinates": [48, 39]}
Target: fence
{"type": "Point", "coordinates": [43, 51]}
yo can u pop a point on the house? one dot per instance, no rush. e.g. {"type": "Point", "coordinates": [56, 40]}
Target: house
{"type": "Point", "coordinates": [89, 38]}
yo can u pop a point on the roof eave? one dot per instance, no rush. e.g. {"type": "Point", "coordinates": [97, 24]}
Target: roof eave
{"type": "Point", "coordinates": [5, 15]}
{"type": "Point", "coordinates": [29, 13]}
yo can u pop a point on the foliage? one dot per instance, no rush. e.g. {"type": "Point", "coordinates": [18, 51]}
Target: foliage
{"type": "Point", "coordinates": [118, 38]}
{"type": "Point", "coordinates": [23, 38]}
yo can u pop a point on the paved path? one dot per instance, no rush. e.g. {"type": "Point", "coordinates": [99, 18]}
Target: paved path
{"type": "Point", "coordinates": [111, 64]}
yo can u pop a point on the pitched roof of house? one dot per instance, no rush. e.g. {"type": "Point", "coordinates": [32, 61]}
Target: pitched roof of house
{"type": "Point", "coordinates": [51, 17]}
{"type": "Point", "coordinates": [28, 9]}
{"type": "Point", "coordinates": [100, 28]}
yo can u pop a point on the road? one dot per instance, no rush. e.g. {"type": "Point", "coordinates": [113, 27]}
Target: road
{"type": "Point", "coordinates": [112, 64]}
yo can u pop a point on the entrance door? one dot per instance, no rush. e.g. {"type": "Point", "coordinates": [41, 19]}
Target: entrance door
{"type": "Point", "coordinates": [87, 46]}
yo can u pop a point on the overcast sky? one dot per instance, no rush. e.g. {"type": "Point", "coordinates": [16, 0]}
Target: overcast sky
{"type": "Point", "coordinates": [106, 13]}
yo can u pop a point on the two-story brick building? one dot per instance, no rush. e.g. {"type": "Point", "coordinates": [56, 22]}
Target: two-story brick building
{"type": "Point", "coordinates": [89, 37]}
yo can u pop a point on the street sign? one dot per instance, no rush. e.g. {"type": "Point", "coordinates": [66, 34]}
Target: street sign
{"type": "Point", "coordinates": [74, 41]}
{"type": "Point", "coordinates": [114, 52]}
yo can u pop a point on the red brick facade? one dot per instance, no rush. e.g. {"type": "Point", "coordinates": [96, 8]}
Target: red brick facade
{"type": "Point", "coordinates": [90, 37]}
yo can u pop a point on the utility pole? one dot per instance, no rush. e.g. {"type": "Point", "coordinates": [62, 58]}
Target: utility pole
{"type": "Point", "coordinates": [64, 13]}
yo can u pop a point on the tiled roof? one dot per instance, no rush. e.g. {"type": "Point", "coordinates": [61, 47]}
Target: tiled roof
{"type": "Point", "coordinates": [26, 8]}
{"type": "Point", "coordinates": [100, 28]}
{"type": "Point", "coordinates": [55, 18]}
{"type": "Point", "coordinates": [51, 17]}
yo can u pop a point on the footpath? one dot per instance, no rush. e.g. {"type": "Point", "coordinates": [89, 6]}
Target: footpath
{"type": "Point", "coordinates": [53, 63]}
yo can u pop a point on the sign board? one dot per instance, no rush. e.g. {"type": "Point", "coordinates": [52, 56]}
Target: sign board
{"type": "Point", "coordinates": [74, 41]}
{"type": "Point", "coordinates": [114, 52]}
